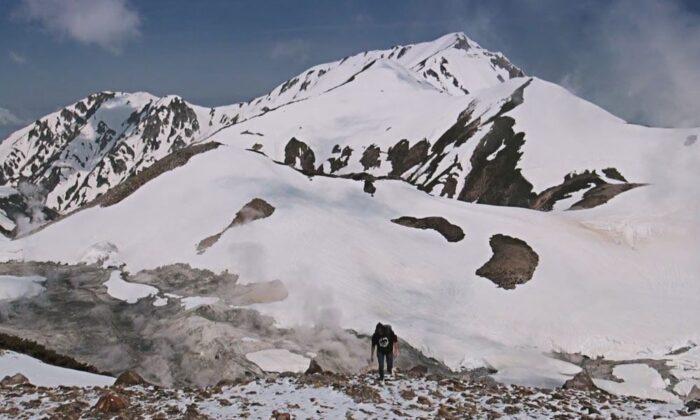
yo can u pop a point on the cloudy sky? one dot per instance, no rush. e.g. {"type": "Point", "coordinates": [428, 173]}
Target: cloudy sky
{"type": "Point", "coordinates": [640, 59]}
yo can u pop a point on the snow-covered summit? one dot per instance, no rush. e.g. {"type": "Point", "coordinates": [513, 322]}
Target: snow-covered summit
{"type": "Point", "coordinates": [81, 151]}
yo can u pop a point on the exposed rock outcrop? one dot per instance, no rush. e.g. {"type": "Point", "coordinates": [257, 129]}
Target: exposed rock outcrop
{"type": "Point", "coordinates": [449, 231]}
{"type": "Point", "coordinates": [14, 380]}
{"type": "Point", "coordinates": [581, 382]}
{"type": "Point", "coordinates": [513, 262]}
{"type": "Point", "coordinates": [129, 378]}
{"type": "Point", "coordinates": [299, 155]}
{"type": "Point", "coordinates": [176, 159]}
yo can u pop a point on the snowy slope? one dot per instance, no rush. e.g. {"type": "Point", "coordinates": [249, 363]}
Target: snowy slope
{"type": "Point", "coordinates": [337, 252]}
{"type": "Point", "coordinates": [81, 151]}
{"type": "Point", "coordinates": [341, 152]}
{"type": "Point", "coordinates": [42, 374]}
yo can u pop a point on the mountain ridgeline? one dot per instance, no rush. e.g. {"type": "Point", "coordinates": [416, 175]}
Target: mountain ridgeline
{"type": "Point", "coordinates": [77, 154]}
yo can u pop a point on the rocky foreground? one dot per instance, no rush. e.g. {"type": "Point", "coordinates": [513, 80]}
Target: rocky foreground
{"type": "Point", "coordinates": [325, 395]}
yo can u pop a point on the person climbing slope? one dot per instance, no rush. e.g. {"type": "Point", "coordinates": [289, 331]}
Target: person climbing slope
{"type": "Point", "coordinates": [387, 345]}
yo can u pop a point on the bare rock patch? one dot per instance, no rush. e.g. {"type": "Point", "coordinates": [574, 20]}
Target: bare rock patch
{"type": "Point", "coordinates": [513, 262]}
{"type": "Point", "coordinates": [449, 231]}
{"type": "Point", "coordinates": [255, 209]}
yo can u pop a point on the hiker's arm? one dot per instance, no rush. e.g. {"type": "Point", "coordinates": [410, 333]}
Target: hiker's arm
{"type": "Point", "coordinates": [371, 353]}
{"type": "Point", "coordinates": [397, 348]}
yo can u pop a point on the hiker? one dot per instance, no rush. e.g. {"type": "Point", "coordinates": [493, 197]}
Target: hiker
{"type": "Point", "coordinates": [387, 345]}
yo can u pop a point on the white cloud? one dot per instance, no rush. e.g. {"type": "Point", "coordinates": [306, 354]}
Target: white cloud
{"type": "Point", "coordinates": [17, 57]}
{"type": "Point", "coordinates": [8, 119]}
{"type": "Point", "coordinates": [107, 23]}
{"type": "Point", "coordinates": [295, 49]}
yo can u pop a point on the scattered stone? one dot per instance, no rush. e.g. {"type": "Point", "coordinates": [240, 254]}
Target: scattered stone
{"type": "Point", "coordinates": [423, 400]}
{"type": "Point", "coordinates": [407, 394]}
{"type": "Point", "coordinates": [111, 402]}
{"type": "Point", "coordinates": [193, 414]}
{"type": "Point", "coordinates": [276, 415]}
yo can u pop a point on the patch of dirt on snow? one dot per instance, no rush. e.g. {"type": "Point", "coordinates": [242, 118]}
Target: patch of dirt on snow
{"type": "Point", "coordinates": [513, 262]}
{"type": "Point", "coordinates": [449, 231]}
{"type": "Point", "coordinates": [333, 396]}
{"type": "Point", "coordinates": [255, 209]}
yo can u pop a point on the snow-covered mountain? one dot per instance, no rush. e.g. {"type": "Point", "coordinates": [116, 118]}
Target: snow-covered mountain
{"type": "Point", "coordinates": [399, 185]}
{"type": "Point", "coordinates": [83, 150]}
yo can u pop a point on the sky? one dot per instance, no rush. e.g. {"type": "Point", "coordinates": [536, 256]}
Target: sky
{"type": "Point", "coordinates": [639, 59]}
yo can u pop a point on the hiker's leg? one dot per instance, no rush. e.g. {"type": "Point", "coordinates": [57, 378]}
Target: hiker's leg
{"type": "Point", "coordinates": [389, 362]}
{"type": "Point", "coordinates": [380, 360]}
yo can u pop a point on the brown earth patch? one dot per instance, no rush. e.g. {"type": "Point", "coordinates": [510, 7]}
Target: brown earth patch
{"type": "Point", "coordinates": [449, 231]}
{"type": "Point", "coordinates": [513, 262]}
{"type": "Point", "coordinates": [255, 209]}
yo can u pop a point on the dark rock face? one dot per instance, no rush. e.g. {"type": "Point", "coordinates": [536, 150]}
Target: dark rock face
{"type": "Point", "coordinates": [581, 382]}
{"type": "Point", "coordinates": [403, 156]}
{"type": "Point", "coordinates": [314, 368]}
{"type": "Point", "coordinates": [255, 209]}
{"type": "Point", "coordinates": [369, 187]}
{"type": "Point", "coordinates": [495, 178]}
{"type": "Point", "coordinates": [572, 183]}
{"type": "Point", "coordinates": [74, 164]}
{"type": "Point", "coordinates": [601, 194]}
{"type": "Point", "coordinates": [452, 233]}
{"type": "Point", "coordinates": [613, 173]}
{"type": "Point", "coordinates": [513, 262]}
{"type": "Point", "coordinates": [370, 157]}
{"type": "Point", "coordinates": [299, 155]}
{"type": "Point", "coordinates": [339, 162]}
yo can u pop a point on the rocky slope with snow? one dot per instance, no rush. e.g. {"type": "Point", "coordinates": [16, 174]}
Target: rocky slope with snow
{"type": "Point", "coordinates": [332, 396]}
{"type": "Point", "coordinates": [477, 161]}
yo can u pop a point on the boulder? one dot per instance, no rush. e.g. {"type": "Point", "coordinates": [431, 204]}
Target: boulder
{"type": "Point", "coordinates": [276, 415]}
{"type": "Point", "coordinates": [581, 382]}
{"type": "Point", "coordinates": [692, 405]}
{"type": "Point", "coordinates": [193, 414]}
{"type": "Point", "coordinates": [314, 368]}
{"type": "Point", "coordinates": [130, 378]}
{"type": "Point", "coordinates": [111, 402]}
{"type": "Point", "coordinates": [17, 379]}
